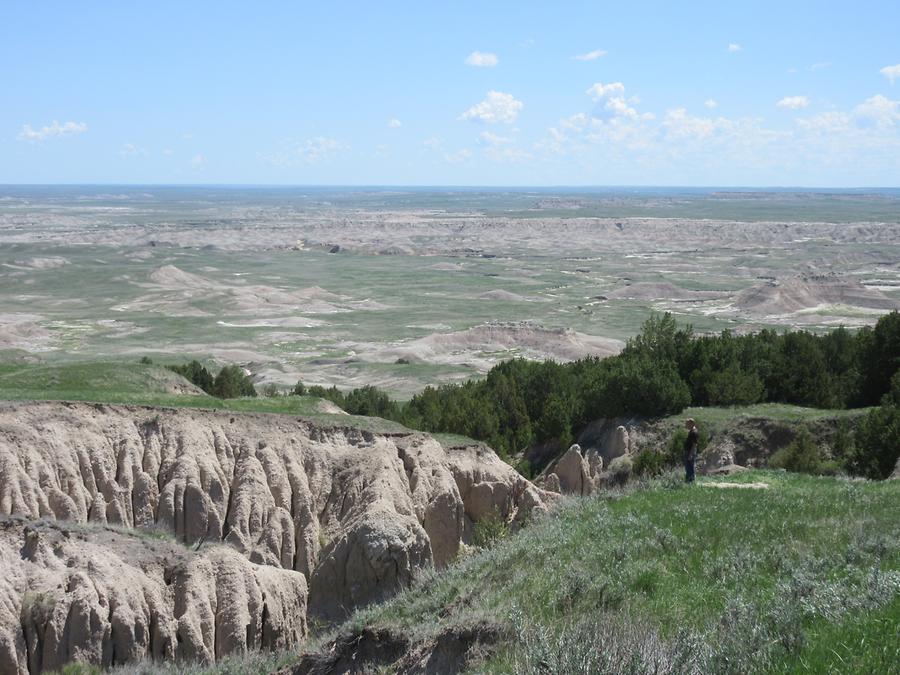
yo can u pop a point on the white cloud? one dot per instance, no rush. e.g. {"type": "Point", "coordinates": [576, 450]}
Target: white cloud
{"type": "Point", "coordinates": [198, 161]}
{"type": "Point", "coordinates": [482, 59]}
{"type": "Point", "coordinates": [711, 103]}
{"type": "Point", "coordinates": [793, 102]}
{"type": "Point", "coordinates": [591, 56]}
{"type": "Point", "coordinates": [825, 123]}
{"type": "Point", "coordinates": [733, 47]}
{"type": "Point", "coordinates": [309, 151]}
{"type": "Point", "coordinates": [488, 138]}
{"type": "Point", "coordinates": [598, 90]}
{"type": "Point", "coordinates": [394, 123]}
{"type": "Point", "coordinates": [53, 130]}
{"type": "Point", "coordinates": [436, 145]}
{"type": "Point", "coordinates": [501, 148]}
{"type": "Point", "coordinates": [616, 105]}
{"type": "Point", "coordinates": [576, 121]}
{"type": "Point", "coordinates": [855, 144]}
{"type": "Point", "coordinates": [168, 152]}
{"type": "Point", "coordinates": [496, 107]}
{"type": "Point", "coordinates": [891, 72]}
{"type": "Point", "coordinates": [679, 124]}
{"type": "Point", "coordinates": [878, 111]}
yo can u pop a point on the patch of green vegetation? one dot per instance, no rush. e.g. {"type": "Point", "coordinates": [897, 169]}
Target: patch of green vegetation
{"type": "Point", "coordinates": [251, 663]}
{"type": "Point", "coordinates": [802, 455]}
{"type": "Point", "coordinates": [454, 440]}
{"type": "Point", "coordinates": [86, 378]}
{"type": "Point", "coordinates": [150, 385]}
{"type": "Point", "coordinates": [682, 579]}
{"type": "Point", "coordinates": [709, 415]}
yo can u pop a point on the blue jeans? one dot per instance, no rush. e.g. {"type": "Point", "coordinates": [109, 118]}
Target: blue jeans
{"type": "Point", "coordinates": [689, 469]}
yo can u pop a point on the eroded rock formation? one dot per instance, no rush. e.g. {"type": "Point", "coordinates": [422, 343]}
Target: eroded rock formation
{"type": "Point", "coordinates": [254, 509]}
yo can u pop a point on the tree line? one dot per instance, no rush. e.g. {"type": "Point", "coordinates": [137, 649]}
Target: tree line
{"type": "Point", "coordinates": [661, 371]}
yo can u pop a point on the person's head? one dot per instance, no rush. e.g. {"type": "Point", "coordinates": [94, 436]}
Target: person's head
{"type": "Point", "coordinates": [689, 423]}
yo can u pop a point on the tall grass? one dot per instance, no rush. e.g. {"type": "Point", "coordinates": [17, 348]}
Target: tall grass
{"type": "Point", "coordinates": [683, 579]}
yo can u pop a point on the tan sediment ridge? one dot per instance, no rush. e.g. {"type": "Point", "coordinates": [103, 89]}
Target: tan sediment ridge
{"type": "Point", "coordinates": [130, 533]}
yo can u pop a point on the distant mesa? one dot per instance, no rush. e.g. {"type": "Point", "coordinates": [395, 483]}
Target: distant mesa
{"type": "Point", "coordinates": [497, 341]}
{"type": "Point", "coordinates": [809, 292]}
{"type": "Point", "coordinates": [23, 331]}
{"type": "Point", "coordinates": [396, 250]}
{"type": "Point", "coordinates": [181, 293]}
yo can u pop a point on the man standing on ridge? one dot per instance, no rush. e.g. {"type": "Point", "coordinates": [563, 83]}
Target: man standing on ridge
{"type": "Point", "coordinates": [690, 449]}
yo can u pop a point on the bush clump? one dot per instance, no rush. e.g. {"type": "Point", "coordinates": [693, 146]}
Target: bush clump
{"type": "Point", "coordinates": [231, 382]}
{"type": "Point", "coordinates": [802, 455]}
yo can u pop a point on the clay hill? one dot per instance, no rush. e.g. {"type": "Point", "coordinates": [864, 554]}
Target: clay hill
{"type": "Point", "coordinates": [131, 533]}
{"type": "Point", "coordinates": [800, 293]}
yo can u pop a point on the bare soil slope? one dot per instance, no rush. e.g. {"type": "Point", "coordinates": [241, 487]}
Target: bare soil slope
{"type": "Point", "coordinates": [269, 505]}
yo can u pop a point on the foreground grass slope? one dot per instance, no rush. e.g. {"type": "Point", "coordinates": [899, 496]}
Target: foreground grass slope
{"type": "Point", "coordinates": [803, 576]}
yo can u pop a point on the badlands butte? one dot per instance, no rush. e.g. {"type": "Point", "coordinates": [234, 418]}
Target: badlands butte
{"type": "Point", "coordinates": [132, 533]}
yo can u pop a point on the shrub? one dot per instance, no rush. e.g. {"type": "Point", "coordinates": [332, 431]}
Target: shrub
{"type": "Point", "coordinates": [232, 382]}
{"type": "Point", "coordinates": [734, 386]}
{"type": "Point", "coordinates": [299, 389]}
{"type": "Point", "coordinates": [196, 373]}
{"type": "Point", "coordinates": [877, 447]}
{"type": "Point", "coordinates": [649, 462]}
{"type": "Point", "coordinates": [802, 455]}
{"type": "Point", "coordinates": [620, 468]}
{"type": "Point", "coordinates": [271, 390]}
{"type": "Point", "coordinates": [489, 530]}
{"type": "Point", "coordinates": [370, 401]}
{"type": "Point", "coordinates": [675, 449]}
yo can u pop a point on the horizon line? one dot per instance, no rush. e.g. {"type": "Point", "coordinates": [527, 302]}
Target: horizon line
{"type": "Point", "coordinates": [456, 186]}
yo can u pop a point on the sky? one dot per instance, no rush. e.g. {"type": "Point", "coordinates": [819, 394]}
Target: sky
{"type": "Point", "coordinates": [451, 93]}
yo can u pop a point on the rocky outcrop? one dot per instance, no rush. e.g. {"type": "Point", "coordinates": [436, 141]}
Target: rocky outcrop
{"type": "Point", "coordinates": [257, 498]}
{"type": "Point", "coordinates": [453, 650]}
{"type": "Point", "coordinates": [106, 596]}
{"type": "Point", "coordinates": [576, 472]}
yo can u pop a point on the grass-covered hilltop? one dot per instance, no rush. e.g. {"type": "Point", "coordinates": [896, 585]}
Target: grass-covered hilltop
{"type": "Point", "coordinates": [789, 566]}
{"type": "Point", "coordinates": [770, 572]}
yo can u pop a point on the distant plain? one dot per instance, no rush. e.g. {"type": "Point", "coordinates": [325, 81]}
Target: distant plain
{"type": "Point", "coordinates": [408, 287]}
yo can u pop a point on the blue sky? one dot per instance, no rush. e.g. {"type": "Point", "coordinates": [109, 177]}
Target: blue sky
{"type": "Point", "coordinates": [456, 93]}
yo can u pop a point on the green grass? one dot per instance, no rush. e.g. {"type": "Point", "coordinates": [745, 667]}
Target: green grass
{"type": "Point", "coordinates": [738, 580]}
{"type": "Point", "coordinates": [775, 411]}
{"type": "Point", "coordinates": [139, 384]}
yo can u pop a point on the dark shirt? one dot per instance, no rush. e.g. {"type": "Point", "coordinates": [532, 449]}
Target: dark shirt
{"type": "Point", "coordinates": [690, 444]}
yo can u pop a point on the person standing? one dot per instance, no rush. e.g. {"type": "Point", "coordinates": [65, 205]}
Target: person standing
{"type": "Point", "coordinates": [690, 449]}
